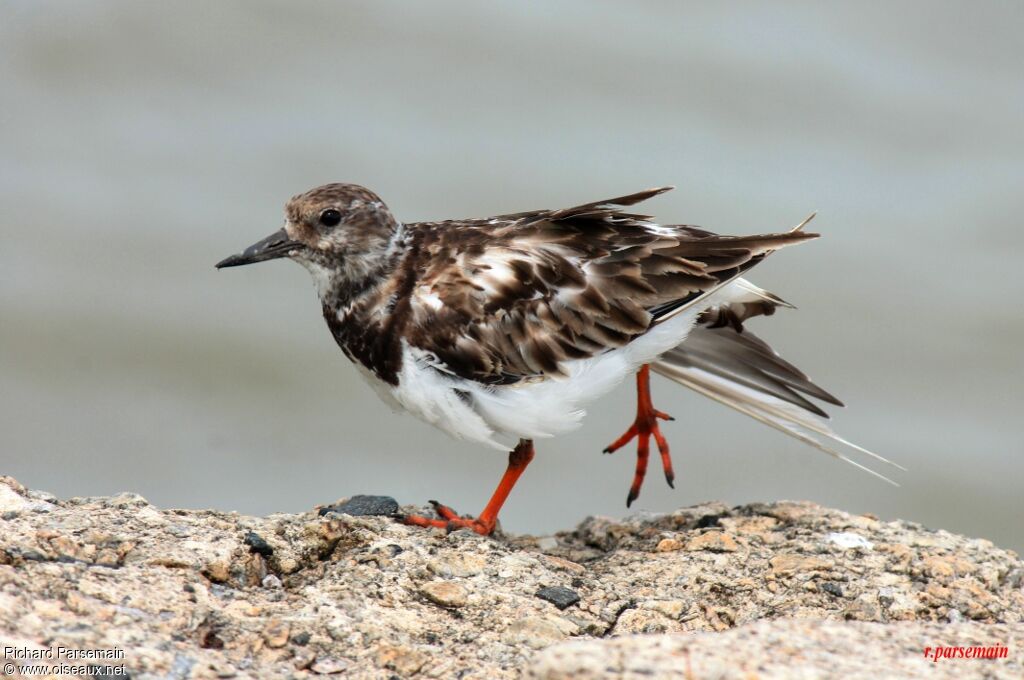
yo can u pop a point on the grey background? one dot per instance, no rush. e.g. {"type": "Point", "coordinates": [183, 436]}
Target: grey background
{"type": "Point", "coordinates": [142, 142]}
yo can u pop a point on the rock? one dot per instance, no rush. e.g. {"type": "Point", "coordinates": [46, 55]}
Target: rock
{"type": "Point", "coordinates": [328, 666]}
{"type": "Point", "coordinates": [788, 564]}
{"type": "Point", "coordinates": [538, 633]}
{"type": "Point", "coordinates": [217, 571]}
{"type": "Point", "coordinates": [404, 660]}
{"type": "Point", "coordinates": [364, 506]}
{"type": "Point", "coordinates": [784, 649]}
{"type": "Point", "coordinates": [15, 499]}
{"type": "Point", "coordinates": [832, 589]}
{"type": "Point", "coordinates": [715, 541]}
{"type": "Point", "coordinates": [847, 540]}
{"type": "Point", "coordinates": [457, 564]}
{"type": "Point", "coordinates": [560, 596]}
{"type": "Point", "coordinates": [276, 633]}
{"type": "Point", "coordinates": [644, 621]}
{"type": "Point", "coordinates": [10, 498]}
{"type": "Point", "coordinates": [668, 545]}
{"type": "Point", "coordinates": [672, 609]}
{"type": "Point", "coordinates": [547, 543]}
{"type": "Point", "coordinates": [445, 593]}
{"type": "Point", "coordinates": [194, 594]}
{"type": "Point", "coordinates": [258, 544]}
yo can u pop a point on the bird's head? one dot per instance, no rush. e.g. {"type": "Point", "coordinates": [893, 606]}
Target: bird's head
{"type": "Point", "coordinates": [340, 232]}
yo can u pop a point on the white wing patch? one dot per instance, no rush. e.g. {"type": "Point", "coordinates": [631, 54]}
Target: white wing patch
{"type": "Point", "coordinates": [428, 298]}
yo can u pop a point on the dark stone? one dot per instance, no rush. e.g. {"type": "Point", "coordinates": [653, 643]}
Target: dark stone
{"type": "Point", "coordinates": [301, 639]}
{"type": "Point", "coordinates": [258, 544]}
{"type": "Point", "coordinates": [359, 506]}
{"type": "Point", "coordinates": [208, 638]}
{"type": "Point", "coordinates": [755, 510]}
{"type": "Point", "coordinates": [560, 596]}
{"type": "Point", "coordinates": [708, 521]}
{"type": "Point", "coordinates": [832, 589]}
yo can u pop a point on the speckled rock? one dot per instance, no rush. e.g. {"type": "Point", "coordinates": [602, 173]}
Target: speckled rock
{"type": "Point", "coordinates": [204, 594]}
{"type": "Point", "coordinates": [794, 649]}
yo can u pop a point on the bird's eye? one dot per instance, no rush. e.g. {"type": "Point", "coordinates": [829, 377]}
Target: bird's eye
{"type": "Point", "coordinates": [330, 218]}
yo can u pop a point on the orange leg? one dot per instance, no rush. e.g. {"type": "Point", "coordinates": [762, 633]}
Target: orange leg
{"type": "Point", "coordinates": [645, 425]}
{"type": "Point", "coordinates": [518, 459]}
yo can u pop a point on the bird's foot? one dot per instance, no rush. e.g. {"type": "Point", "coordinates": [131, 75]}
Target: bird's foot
{"type": "Point", "coordinates": [450, 520]}
{"type": "Point", "coordinates": [518, 459]}
{"type": "Point", "coordinates": [643, 428]}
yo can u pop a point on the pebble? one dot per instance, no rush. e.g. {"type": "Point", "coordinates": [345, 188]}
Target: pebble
{"type": "Point", "coordinates": [847, 540]}
{"type": "Point", "coordinates": [276, 633]}
{"type": "Point", "coordinates": [217, 571]}
{"type": "Point", "coordinates": [257, 544]}
{"type": "Point", "coordinates": [832, 589]}
{"type": "Point", "coordinates": [445, 593]}
{"type": "Point", "coordinates": [560, 596]}
{"type": "Point", "coordinates": [668, 545]}
{"type": "Point", "coordinates": [328, 665]}
{"type": "Point", "coordinates": [547, 543]}
{"type": "Point", "coordinates": [363, 506]}
{"type": "Point", "coordinates": [400, 658]}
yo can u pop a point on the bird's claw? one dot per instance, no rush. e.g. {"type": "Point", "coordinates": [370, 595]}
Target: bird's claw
{"type": "Point", "coordinates": [449, 520]}
{"type": "Point", "coordinates": [643, 428]}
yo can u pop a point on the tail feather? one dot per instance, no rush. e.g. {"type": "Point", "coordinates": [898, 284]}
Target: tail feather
{"type": "Point", "coordinates": [741, 371]}
{"type": "Point", "coordinates": [803, 224]}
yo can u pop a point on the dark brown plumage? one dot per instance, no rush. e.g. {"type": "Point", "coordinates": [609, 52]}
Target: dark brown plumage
{"type": "Point", "coordinates": [509, 298]}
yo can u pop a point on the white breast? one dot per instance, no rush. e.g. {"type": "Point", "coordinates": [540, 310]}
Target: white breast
{"type": "Point", "coordinates": [439, 398]}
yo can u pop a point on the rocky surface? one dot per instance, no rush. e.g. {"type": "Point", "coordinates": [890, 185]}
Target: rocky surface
{"type": "Point", "coordinates": [786, 590]}
{"type": "Point", "coordinates": [793, 649]}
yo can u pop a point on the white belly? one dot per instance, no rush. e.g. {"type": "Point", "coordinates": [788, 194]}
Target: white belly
{"type": "Point", "coordinates": [530, 410]}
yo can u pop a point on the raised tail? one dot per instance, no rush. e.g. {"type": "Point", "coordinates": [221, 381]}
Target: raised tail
{"type": "Point", "coordinates": [734, 367]}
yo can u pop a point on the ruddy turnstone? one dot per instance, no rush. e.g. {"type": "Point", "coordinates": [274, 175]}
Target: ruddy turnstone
{"type": "Point", "coordinates": [507, 327]}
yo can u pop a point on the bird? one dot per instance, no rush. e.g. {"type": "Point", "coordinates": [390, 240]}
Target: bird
{"type": "Point", "coordinates": [504, 329]}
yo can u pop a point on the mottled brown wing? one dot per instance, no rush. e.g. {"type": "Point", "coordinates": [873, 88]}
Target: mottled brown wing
{"type": "Point", "coordinates": [509, 298]}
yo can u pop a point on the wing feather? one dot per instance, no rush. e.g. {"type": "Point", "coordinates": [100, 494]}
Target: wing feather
{"type": "Point", "coordinates": [535, 289]}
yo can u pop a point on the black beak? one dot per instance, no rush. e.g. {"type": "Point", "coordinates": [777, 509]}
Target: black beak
{"type": "Point", "coordinates": [272, 247]}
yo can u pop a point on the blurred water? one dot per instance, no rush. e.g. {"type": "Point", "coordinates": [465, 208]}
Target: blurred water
{"type": "Point", "coordinates": [142, 142]}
